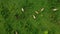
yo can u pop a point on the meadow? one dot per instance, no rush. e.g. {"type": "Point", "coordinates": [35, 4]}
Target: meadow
{"type": "Point", "coordinates": [14, 21]}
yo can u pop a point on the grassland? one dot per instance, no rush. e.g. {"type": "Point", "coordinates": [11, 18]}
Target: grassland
{"type": "Point", "coordinates": [13, 20]}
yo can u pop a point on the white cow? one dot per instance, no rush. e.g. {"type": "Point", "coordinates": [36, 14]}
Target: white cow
{"type": "Point", "coordinates": [55, 9]}
{"type": "Point", "coordinates": [34, 16]}
{"type": "Point", "coordinates": [42, 9]}
{"type": "Point", "coordinates": [22, 9]}
{"type": "Point", "coordinates": [36, 12]}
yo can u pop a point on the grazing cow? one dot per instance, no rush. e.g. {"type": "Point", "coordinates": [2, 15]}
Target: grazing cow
{"type": "Point", "coordinates": [42, 9]}
{"type": "Point", "coordinates": [55, 9]}
{"type": "Point", "coordinates": [34, 16]}
{"type": "Point", "coordinates": [36, 12]}
{"type": "Point", "coordinates": [22, 9]}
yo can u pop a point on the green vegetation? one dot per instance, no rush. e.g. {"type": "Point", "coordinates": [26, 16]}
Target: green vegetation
{"type": "Point", "coordinates": [13, 20]}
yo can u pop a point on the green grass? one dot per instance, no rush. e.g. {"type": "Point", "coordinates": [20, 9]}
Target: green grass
{"type": "Point", "coordinates": [13, 19]}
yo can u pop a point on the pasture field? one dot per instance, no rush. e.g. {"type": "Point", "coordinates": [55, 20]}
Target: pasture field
{"type": "Point", "coordinates": [29, 16]}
